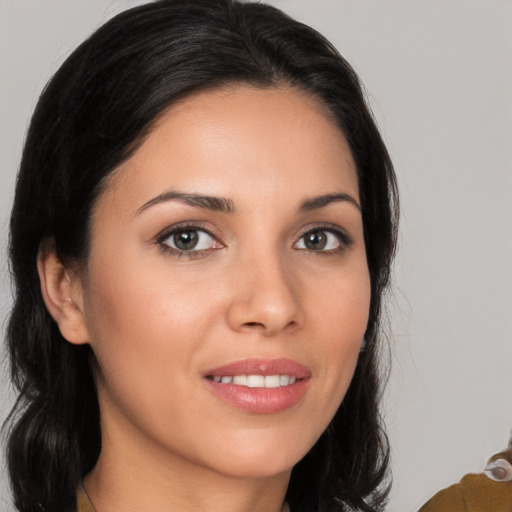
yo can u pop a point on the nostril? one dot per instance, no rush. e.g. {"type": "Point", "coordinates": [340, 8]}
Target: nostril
{"type": "Point", "coordinates": [261, 325]}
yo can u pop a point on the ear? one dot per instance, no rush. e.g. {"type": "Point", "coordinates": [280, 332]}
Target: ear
{"type": "Point", "coordinates": [62, 293]}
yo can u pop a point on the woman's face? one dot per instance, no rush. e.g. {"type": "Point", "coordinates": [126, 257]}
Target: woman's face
{"type": "Point", "coordinates": [226, 292]}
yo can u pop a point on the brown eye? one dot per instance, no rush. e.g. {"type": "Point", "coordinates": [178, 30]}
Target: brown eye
{"type": "Point", "coordinates": [185, 240]}
{"type": "Point", "coordinates": [189, 240]}
{"type": "Point", "coordinates": [315, 241]}
{"type": "Point", "coordinates": [320, 240]}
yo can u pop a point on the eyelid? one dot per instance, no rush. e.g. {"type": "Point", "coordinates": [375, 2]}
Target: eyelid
{"type": "Point", "coordinates": [167, 232]}
{"type": "Point", "coordinates": [183, 226]}
{"type": "Point", "coordinates": [344, 238]}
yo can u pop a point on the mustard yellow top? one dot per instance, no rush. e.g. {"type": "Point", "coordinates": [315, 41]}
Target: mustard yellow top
{"type": "Point", "coordinates": [83, 504]}
{"type": "Point", "coordinates": [490, 491]}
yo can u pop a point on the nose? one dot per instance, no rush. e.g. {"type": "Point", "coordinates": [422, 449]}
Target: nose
{"type": "Point", "coordinates": [266, 299]}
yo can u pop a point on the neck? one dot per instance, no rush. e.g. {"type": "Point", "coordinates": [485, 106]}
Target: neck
{"type": "Point", "coordinates": [133, 474]}
{"type": "Point", "coordinates": [132, 492]}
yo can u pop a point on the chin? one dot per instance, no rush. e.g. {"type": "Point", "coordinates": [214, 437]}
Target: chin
{"type": "Point", "coordinates": [263, 459]}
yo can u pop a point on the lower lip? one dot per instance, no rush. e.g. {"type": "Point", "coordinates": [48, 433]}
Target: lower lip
{"type": "Point", "coordinates": [260, 400]}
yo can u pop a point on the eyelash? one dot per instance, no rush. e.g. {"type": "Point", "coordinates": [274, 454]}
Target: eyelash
{"type": "Point", "coordinates": [343, 238]}
{"type": "Point", "coordinates": [190, 254]}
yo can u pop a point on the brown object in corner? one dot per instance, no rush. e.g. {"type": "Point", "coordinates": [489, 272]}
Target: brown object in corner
{"type": "Point", "coordinates": [477, 492]}
{"type": "Point", "coordinates": [82, 501]}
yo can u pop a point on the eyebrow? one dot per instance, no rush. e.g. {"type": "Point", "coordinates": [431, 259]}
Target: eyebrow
{"type": "Point", "coordinates": [314, 203]}
{"type": "Point", "coordinates": [214, 203]}
{"type": "Point", "coordinates": [222, 204]}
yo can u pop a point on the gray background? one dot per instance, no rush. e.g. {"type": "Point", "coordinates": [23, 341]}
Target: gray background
{"type": "Point", "coordinates": [439, 77]}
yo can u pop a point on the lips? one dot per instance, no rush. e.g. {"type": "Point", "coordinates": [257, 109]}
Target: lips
{"type": "Point", "coordinates": [260, 386]}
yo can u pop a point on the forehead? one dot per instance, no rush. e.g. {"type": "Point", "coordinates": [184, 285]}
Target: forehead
{"type": "Point", "coordinates": [240, 140]}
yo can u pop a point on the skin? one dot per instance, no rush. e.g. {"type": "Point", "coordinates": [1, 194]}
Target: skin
{"type": "Point", "coordinates": [158, 320]}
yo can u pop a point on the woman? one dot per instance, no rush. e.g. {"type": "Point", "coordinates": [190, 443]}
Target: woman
{"type": "Point", "coordinates": [201, 238]}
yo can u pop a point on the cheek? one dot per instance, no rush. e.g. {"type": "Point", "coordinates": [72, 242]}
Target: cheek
{"type": "Point", "coordinates": [144, 325]}
{"type": "Point", "coordinates": [341, 317]}
{"type": "Point", "coordinates": [133, 298]}
{"type": "Point", "coordinates": [342, 304]}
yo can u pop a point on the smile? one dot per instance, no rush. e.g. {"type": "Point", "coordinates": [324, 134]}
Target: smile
{"type": "Point", "coordinates": [261, 386]}
{"type": "Point", "coordinates": [255, 381]}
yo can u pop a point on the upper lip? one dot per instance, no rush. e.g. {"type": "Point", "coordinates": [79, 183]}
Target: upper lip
{"type": "Point", "coordinates": [255, 366]}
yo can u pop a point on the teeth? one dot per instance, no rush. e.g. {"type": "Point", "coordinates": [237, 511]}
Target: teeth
{"type": "Point", "coordinates": [284, 380]}
{"type": "Point", "coordinates": [241, 380]}
{"type": "Point", "coordinates": [256, 381]}
{"type": "Point", "coordinates": [272, 381]}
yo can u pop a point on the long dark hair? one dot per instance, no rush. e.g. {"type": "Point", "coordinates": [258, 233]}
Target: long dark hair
{"type": "Point", "coordinates": [93, 115]}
